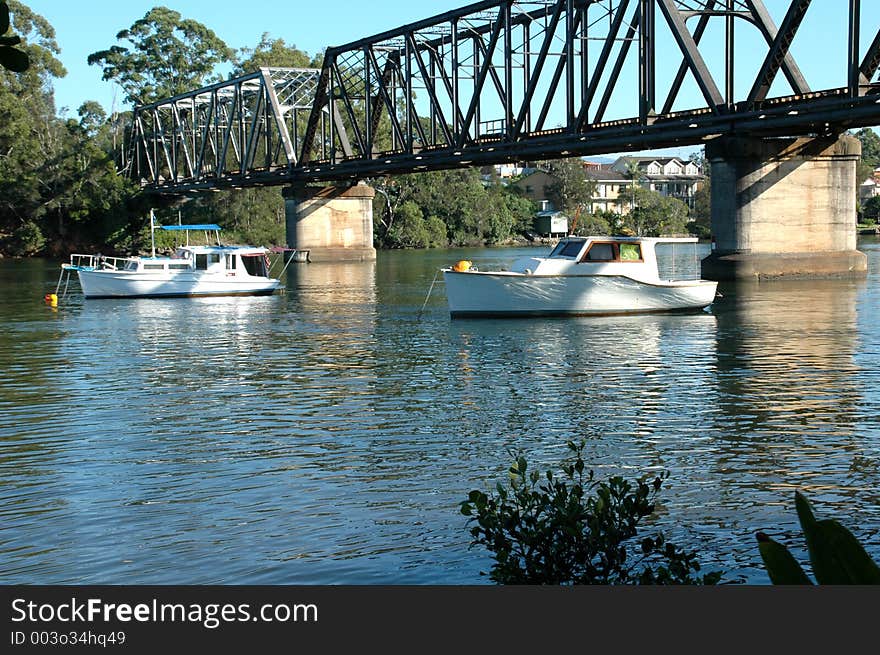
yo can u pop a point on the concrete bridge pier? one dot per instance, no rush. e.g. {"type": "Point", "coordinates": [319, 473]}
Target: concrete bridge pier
{"type": "Point", "coordinates": [784, 208]}
{"type": "Point", "coordinates": [335, 224]}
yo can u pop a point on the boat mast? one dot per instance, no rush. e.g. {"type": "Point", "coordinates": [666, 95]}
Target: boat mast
{"type": "Point", "coordinates": [152, 235]}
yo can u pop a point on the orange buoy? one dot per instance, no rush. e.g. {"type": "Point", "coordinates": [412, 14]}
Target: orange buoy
{"type": "Point", "coordinates": [462, 266]}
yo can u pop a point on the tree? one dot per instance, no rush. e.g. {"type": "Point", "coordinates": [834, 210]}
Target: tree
{"type": "Point", "coordinates": [871, 209]}
{"type": "Point", "coordinates": [656, 214]}
{"type": "Point", "coordinates": [870, 160]}
{"type": "Point", "coordinates": [273, 53]}
{"type": "Point", "coordinates": [472, 213]}
{"type": "Point", "coordinates": [166, 55]}
{"type": "Point", "coordinates": [29, 140]}
{"type": "Point", "coordinates": [633, 172]}
{"type": "Point", "coordinates": [573, 190]}
{"type": "Point", "coordinates": [701, 214]}
{"type": "Point", "coordinates": [870, 147]}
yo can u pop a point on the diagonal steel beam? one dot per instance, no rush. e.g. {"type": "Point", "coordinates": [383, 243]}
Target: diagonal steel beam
{"type": "Point", "coordinates": [384, 96]}
{"type": "Point", "coordinates": [448, 85]}
{"type": "Point", "coordinates": [315, 114]}
{"type": "Point", "coordinates": [702, 24]}
{"type": "Point", "coordinates": [772, 63]}
{"type": "Point", "coordinates": [618, 65]}
{"type": "Point", "coordinates": [614, 30]}
{"type": "Point", "coordinates": [871, 62]}
{"type": "Point", "coordinates": [481, 80]}
{"type": "Point", "coordinates": [281, 126]}
{"type": "Point", "coordinates": [764, 22]}
{"type": "Point", "coordinates": [430, 87]}
{"type": "Point", "coordinates": [692, 54]}
{"type": "Point", "coordinates": [572, 27]}
{"type": "Point", "coordinates": [539, 67]}
{"type": "Point", "coordinates": [349, 108]}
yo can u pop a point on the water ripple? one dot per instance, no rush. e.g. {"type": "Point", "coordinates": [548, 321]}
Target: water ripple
{"type": "Point", "coordinates": [327, 435]}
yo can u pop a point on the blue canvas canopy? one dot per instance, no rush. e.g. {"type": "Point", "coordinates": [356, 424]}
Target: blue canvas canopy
{"type": "Point", "coordinates": [179, 228]}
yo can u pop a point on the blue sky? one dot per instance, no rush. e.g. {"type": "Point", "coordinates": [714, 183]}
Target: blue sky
{"type": "Point", "coordinates": [90, 25]}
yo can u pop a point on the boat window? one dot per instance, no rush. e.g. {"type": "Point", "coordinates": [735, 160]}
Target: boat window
{"type": "Point", "coordinates": [568, 249]}
{"type": "Point", "coordinates": [255, 265]}
{"type": "Point", "coordinates": [230, 262]}
{"type": "Point", "coordinates": [558, 249]}
{"type": "Point", "coordinates": [201, 261]}
{"type": "Point", "coordinates": [154, 267]}
{"type": "Point", "coordinates": [213, 258]}
{"type": "Point", "coordinates": [131, 266]}
{"type": "Point", "coordinates": [178, 267]}
{"type": "Point", "coordinates": [630, 252]}
{"type": "Point", "coordinates": [600, 252]}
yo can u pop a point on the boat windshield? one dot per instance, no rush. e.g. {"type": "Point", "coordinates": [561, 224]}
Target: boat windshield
{"type": "Point", "coordinates": [568, 248]}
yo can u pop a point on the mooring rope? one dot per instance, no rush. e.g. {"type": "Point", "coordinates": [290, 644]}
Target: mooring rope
{"type": "Point", "coordinates": [430, 289]}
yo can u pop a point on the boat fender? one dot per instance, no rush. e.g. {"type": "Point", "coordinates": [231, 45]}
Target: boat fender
{"type": "Point", "coordinates": [462, 266]}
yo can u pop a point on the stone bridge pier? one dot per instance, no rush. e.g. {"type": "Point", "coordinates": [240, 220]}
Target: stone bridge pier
{"type": "Point", "coordinates": [335, 224]}
{"type": "Point", "coordinates": [783, 207]}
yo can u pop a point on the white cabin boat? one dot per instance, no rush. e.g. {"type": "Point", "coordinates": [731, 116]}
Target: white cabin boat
{"type": "Point", "coordinates": [581, 276]}
{"type": "Point", "coordinates": [204, 270]}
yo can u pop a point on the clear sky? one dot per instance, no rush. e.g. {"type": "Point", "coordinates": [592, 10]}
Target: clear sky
{"type": "Point", "coordinates": [90, 25]}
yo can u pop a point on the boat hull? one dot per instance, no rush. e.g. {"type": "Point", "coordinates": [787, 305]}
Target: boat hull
{"type": "Point", "coordinates": [121, 284]}
{"type": "Point", "coordinates": [513, 294]}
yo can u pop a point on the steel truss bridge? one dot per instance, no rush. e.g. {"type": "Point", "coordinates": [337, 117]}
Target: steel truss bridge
{"type": "Point", "coordinates": [507, 80]}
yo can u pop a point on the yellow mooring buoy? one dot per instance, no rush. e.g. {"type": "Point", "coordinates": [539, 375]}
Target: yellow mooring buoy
{"type": "Point", "coordinates": [51, 299]}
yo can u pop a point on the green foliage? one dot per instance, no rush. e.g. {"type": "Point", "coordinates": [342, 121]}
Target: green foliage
{"type": "Point", "coordinates": [27, 240]}
{"type": "Point", "coordinates": [870, 147]}
{"type": "Point", "coordinates": [656, 215]}
{"type": "Point", "coordinates": [596, 223]}
{"type": "Point", "coordinates": [10, 58]}
{"type": "Point", "coordinates": [274, 53]}
{"type": "Point", "coordinates": [166, 55]}
{"type": "Point", "coordinates": [573, 189]}
{"type": "Point", "coordinates": [567, 528]}
{"type": "Point", "coordinates": [470, 212]}
{"type": "Point", "coordinates": [871, 208]}
{"type": "Point", "coordinates": [836, 555]}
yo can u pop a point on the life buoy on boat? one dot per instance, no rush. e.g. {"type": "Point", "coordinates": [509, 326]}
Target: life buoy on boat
{"type": "Point", "coordinates": [462, 266]}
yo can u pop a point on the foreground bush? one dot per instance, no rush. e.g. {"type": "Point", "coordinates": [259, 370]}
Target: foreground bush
{"type": "Point", "coordinates": [567, 528]}
{"type": "Point", "coordinates": [836, 555]}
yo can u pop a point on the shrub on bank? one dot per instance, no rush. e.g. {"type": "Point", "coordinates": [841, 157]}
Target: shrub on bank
{"type": "Point", "coordinates": [567, 528]}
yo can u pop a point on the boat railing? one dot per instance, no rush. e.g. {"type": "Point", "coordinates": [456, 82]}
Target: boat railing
{"type": "Point", "coordinates": [95, 262]}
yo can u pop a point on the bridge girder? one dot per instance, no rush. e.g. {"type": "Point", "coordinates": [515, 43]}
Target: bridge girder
{"type": "Point", "coordinates": [516, 80]}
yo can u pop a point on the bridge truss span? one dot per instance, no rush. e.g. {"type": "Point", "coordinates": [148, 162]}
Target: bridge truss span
{"type": "Point", "coordinates": [518, 80]}
{"type": "Point", "coordinates": [241, 132]}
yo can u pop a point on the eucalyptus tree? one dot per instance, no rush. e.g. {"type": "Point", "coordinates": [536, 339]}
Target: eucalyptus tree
{"type": "Point", "coordinates": [572, 192]}
{"type": "Point", "coordinates": [29, 137]}
{"type": "Point", "coordinates": [162, 55]}
{"type": "Point", "coordinates": [274, 53]}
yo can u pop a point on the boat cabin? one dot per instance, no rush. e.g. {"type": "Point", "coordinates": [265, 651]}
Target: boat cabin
{"type": "Point", "coordinates": [632, 257]}
{"type": "Point", "coordinates": [599, 250]}
{"type": "Point", "coordinates": [227, 260]}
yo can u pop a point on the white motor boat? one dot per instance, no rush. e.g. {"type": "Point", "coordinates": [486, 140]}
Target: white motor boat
{"type": "Point", "coordinates": [203, 270]}
{"type": "Point", "coordinates": [581, 276]}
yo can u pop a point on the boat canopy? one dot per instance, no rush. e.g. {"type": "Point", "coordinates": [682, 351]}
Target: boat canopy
{"type": "Point", "coordinates": [180, 228]}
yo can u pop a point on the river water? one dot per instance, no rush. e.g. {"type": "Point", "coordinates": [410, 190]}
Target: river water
{"type": "Point", "coordinates": [327, 435]}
